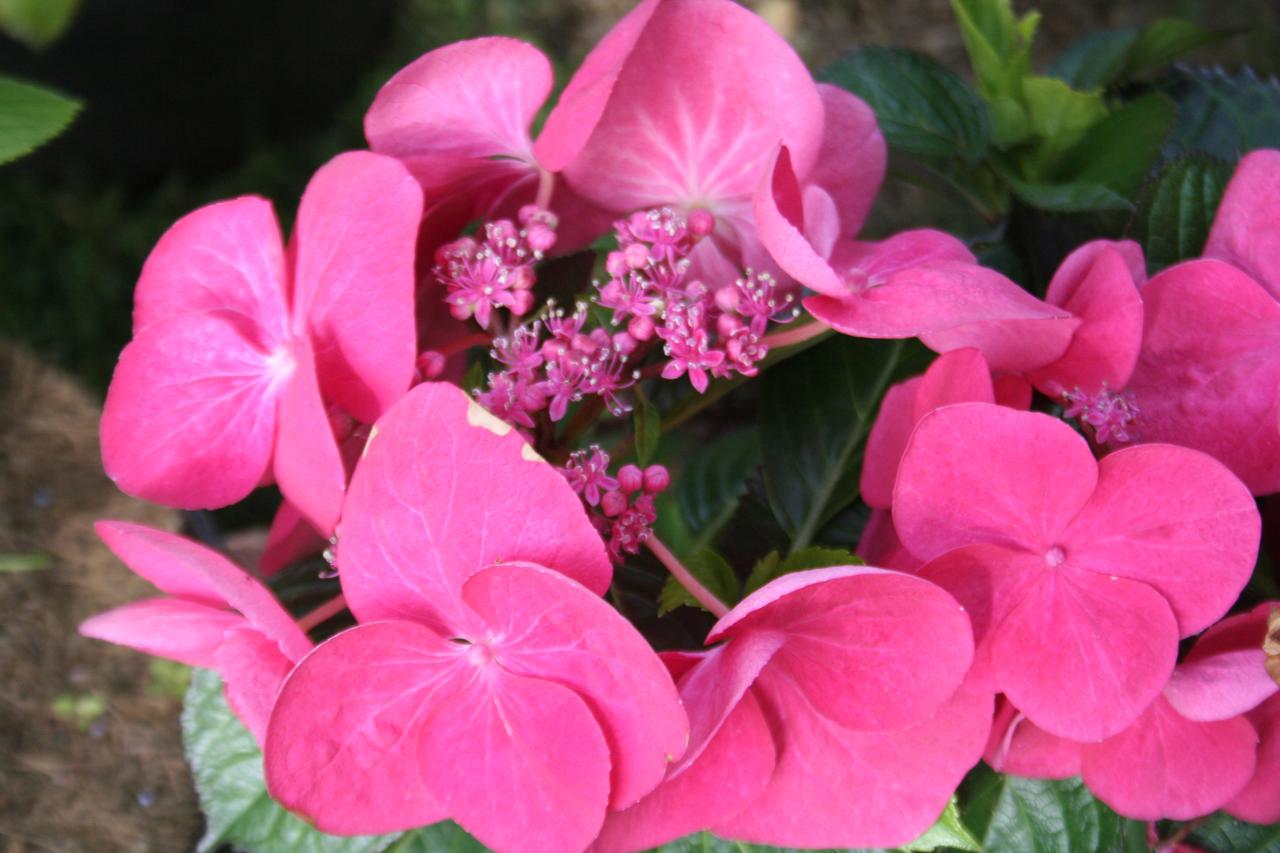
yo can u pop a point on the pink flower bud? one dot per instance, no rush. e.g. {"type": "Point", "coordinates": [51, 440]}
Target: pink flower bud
{"type": "Point", "coordinates": [727, 324]}
{"type": "Point", "coordinates": [613, 503]}
{"type": "Point", "coordinates": [637, 255]}
{"type": "Point", "coordinates": [630, 478]}
{"type": "Point", "coordinates": [701, 222]}
{"type": "Point", "coordinates": [541, 238]}
{"type": "Point", "coordinates": [623, 343]}
{"type": "Point", "coordinates": [656, 479]}
{"type": "Point", "coordinates": [728, 300]}
{"type": "Point", "coordinates": [430, 364]}
{"type": "Point", "coordinates": [616, 264]}
{"type": "Point", "coordinates": [641, 328]}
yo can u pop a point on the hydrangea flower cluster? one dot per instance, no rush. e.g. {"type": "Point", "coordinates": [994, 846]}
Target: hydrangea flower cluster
{"type": "Point", "coordinates": [1028, 589]}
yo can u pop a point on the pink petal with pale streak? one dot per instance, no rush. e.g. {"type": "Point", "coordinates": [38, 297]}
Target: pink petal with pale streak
{"type": "Point", "coordinates": [975, 472]}
{"type": "Point", "coordinates": [252, 670]}
{"type": "Point", "coordinates": [584, 100]}
{"type": "Point", "coordinates": [1209, 368]}
{"type": "Point", "coordinates": [548, 626]}
{"type": "Point", "coordinates": [473, 98]}
{"type": "Point", "coordinates": [961, 376]}
{"type": "Point", "coordinates": [1096, 284]}
{"type": "Point", "coordinates": [1259, 802]}
{"type": "Point", "coordinates": [779, 209]}
{"type": "Point", "coordinates": [690, 121]}
{"type": "Point", "coordinates": [347, 740]}
{"type": "Point", "coordinates": [1082, 654]}
{"type": "Point", "coordinates": [880, 546]}
{"type": "Point", "coordinates": [1224, 673]}
{"type": "Point", "coordinates": [1175, 519]}
{"type": "Point", "coordinates": [730, 772]}
{"type": "Point", "coordinates": [885, 443]}
{"type": "Point", "coordinates": [189, 570]}
{"type": "Point", "coordinates": [852, 158]}
{"type": "Point", "coordinates": [716, 684]}
{"type": "Point", "coordinates": [1166, 766]}
{"type": "Point", "coordinates": [854, 645]}
{"type": "Point", "coordinates": [537, 766]}
{"type": "Point", "coordinates": [838, 788]}
{"type": "Point", "coordinates": [444, 490]}
{"type": "Point", "coordinates": [860, 267]}
{"type": "Point", "coordinates": [226, 256]}
{"type": "Point", "coordinates": [184, 631]}
{"type": "Point", "coordinates": [988, 581]}
{"type": "Point", "coordinates": [308, 465]}
{"type": "Point", "coordinates": [1020, 748]}
{"type": "Point", "coordinates": [353, 279]}
{"type": "Point", "coordinates": [1246, 230]}
{"type": "Point", "coordinates": [190, 416]}
{"type": "Point", "coordinates": [290, 539]}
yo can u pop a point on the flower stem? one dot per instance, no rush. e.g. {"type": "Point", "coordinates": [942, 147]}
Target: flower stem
{"type": "Point", "coordinates": [546, 186]}
{"type": "Point", "coordinates": [466, 342]}
{"type": "Point", "coordinates": [703, 595]}
{"type": "Point", "coordinates": [795, 334]}
{"type": "Point", "coordinates": [323, 613]}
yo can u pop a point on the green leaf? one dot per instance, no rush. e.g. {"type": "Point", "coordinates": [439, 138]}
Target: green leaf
{"type": "Point", "coordinates": [922, 107]}
{"type": "Point", "coordinates": [648, 427]}
{"type": "Point", "coordinates": [1118, 151]}
{"type": "Point", "coordinates": [1067, 198]}
{"type": "Point", "coordinates": [1222, 833]}
{"type": "Point", "coordinates": [1059, 115]}
{"type": "Point", "coordinates": [708, 488]}
{"type": "Point", "coordinates": [999, 48]}
{"type": "Point", "coordinates": [712, 571]}
{"type": "Point", "coordinates": [949, 831]}
{"type": "Point", "coordinates": [1164, 41]}
{"type": "Point", "coordinates": [30, 116]}
{"type": "Point", "coordinates": [443, 837]}
{"type": "Point", "coordinates": [1177, 211]}
{"type": "Point", "coordinates": [1012, 815]}
{"type": "Point", "coordinates": [1095, 61]}
{"type": "Point", "coordinates": [37, 23]}
{"type": "Point", "coordinates": [771, 566]}
{"type": "Point", "coordinates": [1225, 114]}
{"type": "Point", "coordinates": [16, 563]}
{"type": "Point", "coordinates": [815, 411]}
{"type": "Point", "coordinates": [227, 766]}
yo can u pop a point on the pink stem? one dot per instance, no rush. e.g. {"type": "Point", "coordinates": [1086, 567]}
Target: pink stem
{"type": "Point", "coordinates": [546, 186]}
{"type": "Point", "coordinates": [704, 596]}
{"type": "Point", "coordinates": [796, 334]}
{"type": "Point", "coordinates": [323, 613]}
{"type": "Point", "coordinates": [476, 339]}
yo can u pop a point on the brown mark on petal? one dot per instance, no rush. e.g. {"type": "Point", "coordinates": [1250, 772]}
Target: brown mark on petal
{"type": "Point", "coordinates": [1271, 644]}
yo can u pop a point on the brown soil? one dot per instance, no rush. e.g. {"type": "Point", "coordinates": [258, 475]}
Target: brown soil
{"type": "Point", "coordinates": [118, 782]}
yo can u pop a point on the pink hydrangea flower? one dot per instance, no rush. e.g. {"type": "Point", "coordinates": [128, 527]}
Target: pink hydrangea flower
{"type": "Point", "coordinates": [238, 345]}
{"type": "Point", "coordinates": [919, 283]}
{"type": "Point", "coordinates": [1209, 371]}
{"type": "Point", "coordinates": [1194, 750]}
{"type": "Point", "coordinates": [679, 117]}
{"type": "Point", "coordinates": [823, 682]}
{"type": "Point", "coordinates": [459, 118]}
{"type": "Point", "coordinates": [216, 616]}
{"type": "Point", "coordinates": [1080, 576]}
{"type": "Point", "coordinates": [487, 681]}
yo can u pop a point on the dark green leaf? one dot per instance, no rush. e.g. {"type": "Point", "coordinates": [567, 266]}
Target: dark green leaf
{"type": "Point", "coordinates": [30, 116]}
{"type": "Point", "coordinates": [1068, 198]}
{"type": "Point", "coordinates": [227, 766]}
{"type": "Point", "coordinates": [815, 412]}
{"type": "Point", "coordinates": [1012, 815]}
{"type": "Point", "coordinates": [1224, 834]}
{"type": "Point", "coordinates": [1164, 41]}
{"type": "Point", "coordinates": [37, 23]}
{"type": "Point", "coordinates": [1178, 209]}
{"type": "Point", "coordinates": [771, 566]}
{"type": "Point", "coordinates": [443, 837]}
{"type": "Point", "coordinates": [1094, 61]}
{"type": "Point", "coordinates": [922, 107]}
{"type": "Point", "coordinates": [648, 427]}
{"type": "Point", "coordinates": [708, 488]}
{"type": "Point", "coordinates": [712, 571]}
{"type": "Point", "coordinates": [1224, 114]}
{"type": "Point", "coordinates": [1118, 151]}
